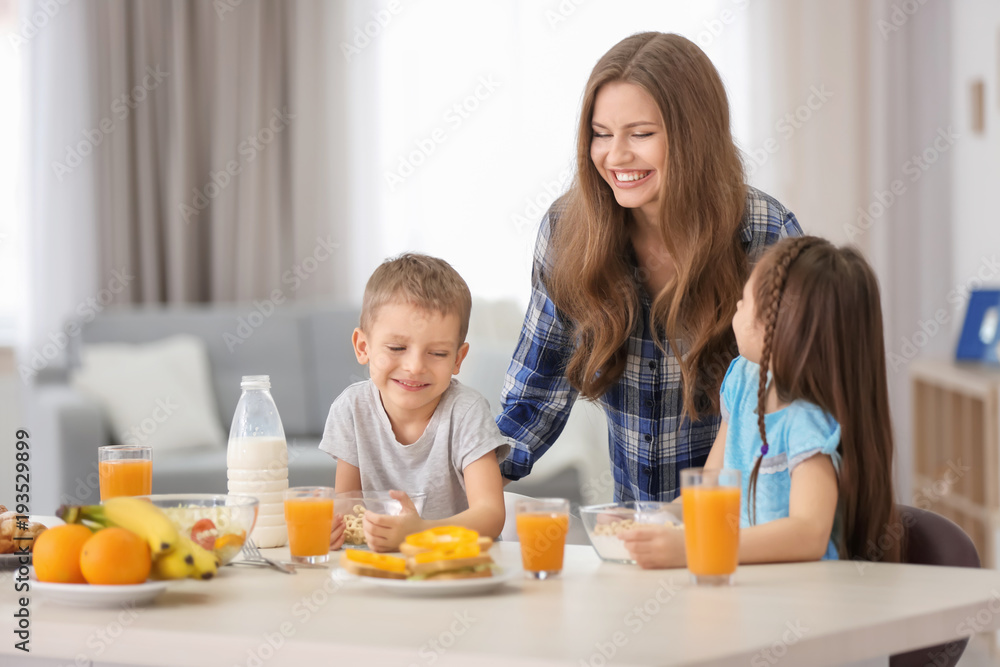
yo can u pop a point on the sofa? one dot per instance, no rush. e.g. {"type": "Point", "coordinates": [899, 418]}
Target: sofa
{"type": "Point", "coordinates": [306, 351]}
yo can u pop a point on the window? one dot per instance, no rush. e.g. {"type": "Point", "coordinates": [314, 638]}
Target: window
{"type": "Point", "coordinates": [11, 280]}
{"type": "Point", "coordinates": [471, 152]}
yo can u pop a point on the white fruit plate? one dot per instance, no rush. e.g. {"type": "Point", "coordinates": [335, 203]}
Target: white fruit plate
{"type": "Point", "coordinates": [90, 595]}
{"type": "Point", "coordinates": [432, 588]}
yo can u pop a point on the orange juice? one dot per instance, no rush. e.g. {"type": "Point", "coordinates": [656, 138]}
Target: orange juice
{"type": "Point", "coordinates": [543, 540]}
{"type": "Point", "coordinates": [310, 521]}
{"type": "Point", "coordinates": [125, 477]}
{"type": "Point", "coordinates": [712, 529]}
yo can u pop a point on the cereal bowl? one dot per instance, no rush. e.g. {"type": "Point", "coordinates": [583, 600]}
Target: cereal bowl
{"type": "Point", "coordinates": [353, 504]}
{"type": "Point", "coordinates": [605, 522]}
{"type": "Point", "coordinates": [221, 522]}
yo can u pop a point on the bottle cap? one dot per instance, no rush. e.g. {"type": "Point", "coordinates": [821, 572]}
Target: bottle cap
{"type": "Point", "coordinates": [256, 382]}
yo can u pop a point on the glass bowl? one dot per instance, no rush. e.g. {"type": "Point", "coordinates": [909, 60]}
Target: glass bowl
{"type": "Point", "coordinates": [353, 504]}
{"type": "Point", "coordinates": [605, 522]}
{"type": "Point", "coordinates": [232, 518]}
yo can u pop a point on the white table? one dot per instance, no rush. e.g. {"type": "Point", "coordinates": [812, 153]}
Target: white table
{"type": "Point", "coordinates": [800, 614]}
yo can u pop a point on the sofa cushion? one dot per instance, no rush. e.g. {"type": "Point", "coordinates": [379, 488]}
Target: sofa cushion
{"type": "Point", "coordinates": [241, 340]}
{"type": "Point", "coordinates": [156, 394]}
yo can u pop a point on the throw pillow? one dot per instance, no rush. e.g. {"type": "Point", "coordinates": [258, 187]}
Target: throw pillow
{"type": "Point", "coordinates": [157, 394]}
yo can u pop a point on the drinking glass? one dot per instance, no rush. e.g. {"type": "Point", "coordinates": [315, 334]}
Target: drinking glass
{"type": "Point", "coordinates": [711, 524]}
{"type": "Point", "coordinates": [542, 524]}
{"type": "Point", "coordinates": [309, 515]}
{"type": "Point", "coordinates": [125, 470]}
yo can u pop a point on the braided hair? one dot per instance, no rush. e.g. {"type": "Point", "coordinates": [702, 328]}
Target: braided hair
{"type": "Point", "coordinates": [767, 311]}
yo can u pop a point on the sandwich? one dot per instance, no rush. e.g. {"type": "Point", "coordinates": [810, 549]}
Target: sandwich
{"type": "Point", "coordinates": [438, 554]}
{"type": "Point", "coordinates": [447, 552]}
{"type": "Point", "coordinates": [368, 564]}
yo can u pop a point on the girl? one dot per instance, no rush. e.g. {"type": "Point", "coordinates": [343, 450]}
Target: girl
{"type": "Point", "coordinates": [805, 411]}
{"type": "Point", "coordinates": [638, 269]}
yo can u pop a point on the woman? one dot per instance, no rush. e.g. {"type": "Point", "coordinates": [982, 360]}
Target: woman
{"type": "Point", "coordinates": [638, 268]}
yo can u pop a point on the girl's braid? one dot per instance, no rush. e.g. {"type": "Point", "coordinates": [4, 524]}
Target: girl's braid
{"type": "Point", "coordinates": [776, 279]}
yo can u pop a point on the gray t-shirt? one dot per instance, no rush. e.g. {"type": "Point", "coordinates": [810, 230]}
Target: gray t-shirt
{"type": "Point", "coordinates": [461, 431]}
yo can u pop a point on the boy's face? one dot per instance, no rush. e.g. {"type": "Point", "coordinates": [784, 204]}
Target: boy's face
{"type": "Point", "coordinates": [411, 354]}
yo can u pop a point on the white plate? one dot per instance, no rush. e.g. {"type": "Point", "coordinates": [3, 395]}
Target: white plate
{"type": "Point", "coordinates": [90, 595]}
{"type": "Point", "coordinates": [440, 588]}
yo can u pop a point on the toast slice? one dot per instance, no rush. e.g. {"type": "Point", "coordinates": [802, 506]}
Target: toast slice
{"type": "Point", "coordinates": [368, 569]}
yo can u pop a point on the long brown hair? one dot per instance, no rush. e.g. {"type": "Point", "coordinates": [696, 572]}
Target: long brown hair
{"type": "Point", "coordinates": [702, 197]}
{"type": "Point", "coordinates": [820, 309]}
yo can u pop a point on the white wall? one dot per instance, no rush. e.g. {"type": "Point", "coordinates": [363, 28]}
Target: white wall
{"type": "Point", "coordinates": [976, 173]}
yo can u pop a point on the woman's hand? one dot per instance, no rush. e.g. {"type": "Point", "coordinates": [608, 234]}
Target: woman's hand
{"type": "Point", "coordinates": [338, 533]}
{"type": "Point", "coordinates": [655, 546]}
{"type": "Point", "coordinates": [386, 533]}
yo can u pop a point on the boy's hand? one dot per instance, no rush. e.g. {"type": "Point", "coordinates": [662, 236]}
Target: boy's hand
{"type": "Point", "coordinates": [338, 533]}
{"type": "Point", "coordinates": [386, 533]}
{"type": "Point", "coordinates": [655, 546]}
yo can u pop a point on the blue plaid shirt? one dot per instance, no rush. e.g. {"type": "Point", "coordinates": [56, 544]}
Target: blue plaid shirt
{"type": "Point", "coordinates": [649, 441]}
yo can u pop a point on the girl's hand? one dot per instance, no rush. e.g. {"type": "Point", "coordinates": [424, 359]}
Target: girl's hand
{"type": "Point", "coordinates": [338, 533]}
{"type": "Point", "coordinates": [386, 533]}
{"type": "Point", "coordinates": [655, 546]}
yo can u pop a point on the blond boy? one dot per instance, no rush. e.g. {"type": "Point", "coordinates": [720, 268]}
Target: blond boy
{"type": "Point", "coordinates": [412, 425]}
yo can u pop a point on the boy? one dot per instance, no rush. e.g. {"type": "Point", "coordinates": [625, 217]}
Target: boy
{"type": "Point", "coordinates": [413, 426]}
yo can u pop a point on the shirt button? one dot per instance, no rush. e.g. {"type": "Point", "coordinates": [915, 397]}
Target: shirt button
{"type": "Point", "coordinates": [652, 365]}
{"type": "Point", "coordinates": [650, 403]}
{"type": "Point", "coordinates": [648, 470]}
{"type": "Point", "coordinates": [648, 438]}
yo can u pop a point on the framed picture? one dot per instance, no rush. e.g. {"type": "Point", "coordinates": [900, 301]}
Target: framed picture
{"type": "Point", "coordinates": [980, 339]}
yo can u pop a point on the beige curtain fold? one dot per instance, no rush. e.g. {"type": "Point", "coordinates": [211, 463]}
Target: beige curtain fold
{"type": "Point", "coordinates": [194, 185]}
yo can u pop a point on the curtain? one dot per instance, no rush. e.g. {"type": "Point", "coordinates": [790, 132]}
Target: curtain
{"type": "Point", "coordinates": [188, 151]}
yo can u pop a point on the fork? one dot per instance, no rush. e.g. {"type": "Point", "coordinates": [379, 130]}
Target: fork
{"type": "Point", "coordinates": [253, 555]}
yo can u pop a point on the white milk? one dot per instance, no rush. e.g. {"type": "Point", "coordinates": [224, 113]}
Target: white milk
{"type": "Point", "coordinates": [258, 467]}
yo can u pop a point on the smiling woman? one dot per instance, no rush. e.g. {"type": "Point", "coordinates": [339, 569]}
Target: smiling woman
{"type": "Point", "coordinates": [638, 268]}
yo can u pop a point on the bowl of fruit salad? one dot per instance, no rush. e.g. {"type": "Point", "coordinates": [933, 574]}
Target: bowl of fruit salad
{"type": "Point", "coordinates": [219, 523]}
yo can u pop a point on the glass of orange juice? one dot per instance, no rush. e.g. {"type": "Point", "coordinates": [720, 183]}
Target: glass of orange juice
{"type": "Point", "coordinates": [309, 515]}
{"type": "Point", "coordinates": [542, 524]}
{"type": "Point", "coordinates": [711, 524]}
{"type": "Point", "coordinates": [125, 470]}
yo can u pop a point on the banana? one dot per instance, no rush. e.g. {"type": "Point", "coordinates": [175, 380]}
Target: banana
{"type": "Point", "coordinates": [206, 563]}
{"type": "Point", "coordinates": [177, 564]}
{"type": "Point", "coordinates": [144, 519]}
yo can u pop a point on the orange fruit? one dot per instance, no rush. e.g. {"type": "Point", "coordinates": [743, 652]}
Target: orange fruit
{"type": "Point", "coordinates": [56, 554]}
{"type": "Point", "coordinates": [115, 556]}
